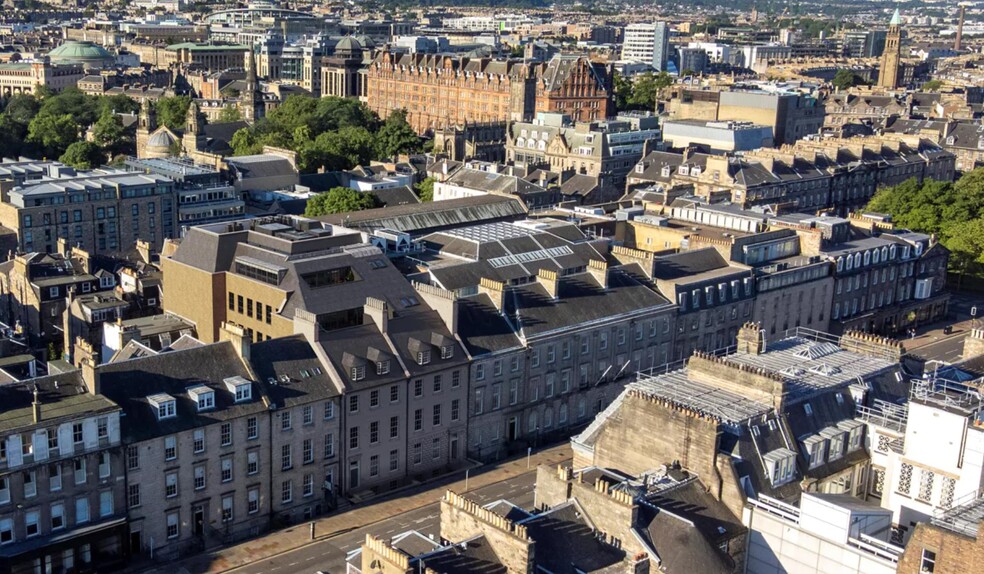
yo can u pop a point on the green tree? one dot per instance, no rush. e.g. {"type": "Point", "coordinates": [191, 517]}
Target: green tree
{"type": "Point", "coordinates": [338, 200]}
{"type": "Point", "coordinates": [623, 91]}
{"type": "Point", "coordinates": [53, 134]}
{"type": "Point", "coordinates": [845, 79]}
{"type": "Point", "coordinates": [425, 189]}
{"type": "Point", "coordinates": [396, 136]}
{"type": "Point", "coordinates": [244, 142]}
{"type": "Point", "coordinates": [173, 111]}
{"type": "Point", "coordinates": [83, 155]}
{"type": "Point", "coordinates": [118, 103]}
{"type": "Point", "coordinates": [932, 86]}
{"type": "Point", "coordinates": [109, 134]}
{"type": "Point", "coordinates": [966, 244]}
{"type": "Point", "coordinates": [71, 101]}
{"type": "Point", "coordinates": [229, 114]}
{"type": "Point", "coordinates": [647, 89]}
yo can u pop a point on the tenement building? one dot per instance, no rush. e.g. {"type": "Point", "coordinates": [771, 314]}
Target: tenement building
{"type": "Point", "coordinates": [104, 211]}
{"type": "Point", "coordinates": [553, 331]}
{"type": "Point", "coordinates": [441, 90]}
{"type": "Point", "coordinates": [62, 483]}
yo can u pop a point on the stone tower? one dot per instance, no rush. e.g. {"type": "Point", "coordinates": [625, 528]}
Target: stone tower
{"type": "Point", "coordinates": [194, 133]}
{"type": "Point", "coordinates": [888, 75]}
{"type": "Point", "coordinates": [251, 102]}
{"type": "Point", "coordinates": [146, 124]}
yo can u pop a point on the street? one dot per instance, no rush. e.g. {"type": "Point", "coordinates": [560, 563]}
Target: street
{"type": "Point", "coordinates": [329, 555]}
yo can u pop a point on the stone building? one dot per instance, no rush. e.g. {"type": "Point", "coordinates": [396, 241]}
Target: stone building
{"type": "Point", "coordinates": [341, 72]}
{"type": "Point", "coordinates": [438, 91]}
{"type": "Point", "coordinates": [104, 211]}
{"type": "Point", "coordinates": [62, 488]}
{"type": "Point", "coordinates": [888, 73]}
{"type": "Point", "coordinates": [27, 77]}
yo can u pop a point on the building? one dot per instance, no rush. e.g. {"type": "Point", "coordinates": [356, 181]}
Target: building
{"type": "Point", "coordinates": [27, 77]}
{"type": "Point", "coordinates": [716, 136]}
{"type": "Point", "coordinates": [791, 115]}
{"type": "Point", "coordinates": [692, 60]}
{"type": "Point", "coordinates": [469, 182]}
{"type": "Point", "coordinates": [469, 90]}
{"type": "Point", "coordinates": [648, 43]}
{"type": "Point", "coordinates": [947, 544]}
{"type": "Point", "coordinates": [296, 63]}
{"type": "Point", "coordinates": [888, 74]}
{"type": "Point", "coordinates": [203, 194]}
{"type": "Point", "coordinates": [62, 477]}
{"type": "Point", "coordinates": [863, 44]}
{"type": "Point", "coordinates": [605, 151]}
{"type": "Point", "coordinates": [552, 330]}
{"type": "Point", "coordinates": [213, 57]}
{"type": "Point", "coordinates": [341, 74]}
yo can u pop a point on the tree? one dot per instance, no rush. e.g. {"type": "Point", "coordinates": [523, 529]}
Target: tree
{"type": "Point", "coordinates": [396, 136]}
{"type": "Point", "coordinates": [119, 103]}
{"type": "Point", "coordinates": [425, 189]}
{"type": "Point", "coordinates": [932, 86]}
{"type": "Point", "coordinates": [173, 111]}
{"type": "Point", "coordinates": [623, 91]}
{"type": "Point", "coordinates": [338, 200]}
{"type": "Point", "coordinates": [244, 142]}
{"type": "Point", "coordinates": [845, 79]}
{"type": "Point", "coordinates": [966, 245]}
{"type": "Point", "coordinates": [83, 155]}
{"type": "Point", "coordinates": [53, 134]}
{"type": "Point", "coordinates": [229, 114]}
{"type": "Point", "coordinates": [109, 134]}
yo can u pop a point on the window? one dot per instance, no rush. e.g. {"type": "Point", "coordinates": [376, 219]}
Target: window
{"type": "Point", "coordinates": [329, 410]}
{"type": "Point", "coordinates": [455, 379]}
{"type": "Point", "coordinates": [77, 433]}
{"type": "Point", "coordinates": [479, 406]}
{"type": "Point", "coordinates": [535, 358]}
{"type": "Point", "coordinates": [308, 485]}
{"type": "Point", "coordinates": [226, 467]}
{"type": "Point", "coordinates": [354, 404]}
{"type": "Point", "coordinates": [285, 424]}
{"type": "Point", "coordinates": [354, 437]}
{"type": "Point", "coordinates": [31, 527]}
{"type": "Point", "coordinates": [418, 419]}
{"type": "Point", "coordinates": [928, 562]}
{"type": "Point", "coordinates": [172, 525]}
{"type": "Point", "coordinates": [102, 427]}
{"type": "Point", "coordinates": [437, 383]}
{"type": "Point", "coordinates": [227, 509]}
{"type": "Point", "coordinates": [105, 503]}
{"type": "Point", "coordinates": [286, 461]}
{"type": "Point", "coordinates": [905, 479]}
{"type": "Point", "coordinates": [455, 410]}
{"type": "Point", "coordinates": [133, 495]}
{"type": "Point", "coordinates": [52, 442]}
{"type": "Point", "coordinates": [170, 448]}
{"type": "Point", "coordinates": [418, 388]}
{"type": "Point", "coordinates": [373, 399]}
{"type": "Point", "coordinates": [81, 510]}
{"type": "Point", "coordinates": [80, 470]}
{"type": "Point", "coordinates": [4, 489]}
{"type": "Point", "coordinates": [104, 465]}
{"type": "Point", "coordinates": [54, 478]}
{"type": "Point", "coordinates": [199, 440]}
{"type": "Point", "coordinates": [252, 462]}
{"type": "Point", "coordinates": [171, 485]}
{"type": "Point", "coordinates": [307, 451]}
{"type": "Point", "coordinates": [199, 477]}
{"type": "Point", "coordinates": [206, 400]}
{"type": "Point", "coordinates": [423, 357]}
{"type": "Point", "coordinates": [374, 465]}
{"type": "Point", "coordinates": [57, 516]}
{"type": "Point", "coordinates": [329, 445]}
{"type": "Point", "coordinates": [286, 492]}
{"type": "Point", "coordinates": [437, 415]}
{"type": "Point", "coordinates": [394, 427]}
{"type": "Point", "coordinates": [132, 458]}
{"type": "Point", "coordinates": [416, 453]}
{"type": "Point", "coordinates": [436, 448]}
{"type": "Point", "coordinates": [479, 372]}
{"type": "Point", "coordinates": [394, 460]}
{"type": "Point", "coordinates": [244, 392]}
{"type": "Point", "coordinates": [252, 428]}
{"type": "Point", "coordinates": [6, 531]}
{"type": "Point", "coordinates": [925, 485]}
{"type": "Point", "coordinates": [165, 410]}
{"type": "Point", "coordinates": [253, 501]}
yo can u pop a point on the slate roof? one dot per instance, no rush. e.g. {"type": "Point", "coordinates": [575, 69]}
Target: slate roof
{"type": "Point", "coordinates": [567, 544]}
{"type": "Point", "coordinates": [63, 397]}
{"type": "Point", "coordinates": [433, 215]}
{"type": "Point", "coordinates": [473, 556]}
{"type": "Point", "coordinates": [130, 383]}
{"type": "Point", "coordinates": [292, 371]}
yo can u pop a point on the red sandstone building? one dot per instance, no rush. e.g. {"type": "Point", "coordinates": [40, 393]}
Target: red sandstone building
{"type": "Point", "coordinates": [439, 90]}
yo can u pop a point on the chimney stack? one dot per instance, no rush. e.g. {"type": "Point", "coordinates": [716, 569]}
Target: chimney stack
{"type": "Point", "coordinates": [550, 281]}
{"type": "Point", "coordinates": [36, 406]}
{"type": "Point", "coordinates": [238, 337]}
{"type": "Point", "coordinates": [751, 339]}
{"type": "Point", "coordinates": [379, 311]}
{"type": "Point", "coordinates": [90, 376]}
{"type": "Point", "coordinates": [599, 270]}
{"type": "Point", "coordinates": [958, 42]}
{"type": "Point", "coordinates": [496, 290]}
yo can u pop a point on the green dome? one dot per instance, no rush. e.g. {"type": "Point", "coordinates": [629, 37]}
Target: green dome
{"type": "Point", "coordinates": [86, 53]}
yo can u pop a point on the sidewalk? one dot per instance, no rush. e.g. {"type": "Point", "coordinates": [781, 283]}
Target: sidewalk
{"type": "Point", "coordinates": [933, 333]}
{"type": "Point", "coordinates": [370, 512]}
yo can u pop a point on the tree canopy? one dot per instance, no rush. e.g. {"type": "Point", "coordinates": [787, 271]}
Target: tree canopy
{"type": "Point", "coordinates": [425, 189]}
{"type": "Point", "coordinates": [642, 92]}
{"type": "Point", "coordinates": [338, 200]}
{"type": "Point", "coordinates": [172, 111]}
{"type": "Point", "coordinates": [83, 155]}
{"type": "Point", "coordinates": [953, 211]}
{"type": "Point", "coordinates": [845, 79]}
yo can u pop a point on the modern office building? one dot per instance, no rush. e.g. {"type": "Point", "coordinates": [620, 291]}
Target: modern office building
{"type": "Point", "coordinates": [647, 43]}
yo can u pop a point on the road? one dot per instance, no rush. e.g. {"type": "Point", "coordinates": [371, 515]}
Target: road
{"type": "Point", "coordinates": [329, 555]}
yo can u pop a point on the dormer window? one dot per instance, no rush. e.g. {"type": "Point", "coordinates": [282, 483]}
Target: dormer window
{"type": "Point", "coordinates": [203, 396]}
{"type": "Point", "coordinates": [358, 373]}
{"type": "Point", "coordinates": [814, 448]}
{"type": "Point", "coordinates": [240, 388]}
{"type": "Point", "coordinates": [382, 367]}
{"type": "Point", "coordinates": [447, 351]}
{"type": "Point", "coordinates": [423, 357]}
{"type": "Point", "coordinates": [780, 464]}
{"type": "Point", "coordinates": [835, 436]}
{"type": "Point", "coordinates": [855, 432]}
{"type": "Point", "coordinates": [165, 405]}
{"type": "Point", "coordinates": [665, 172]}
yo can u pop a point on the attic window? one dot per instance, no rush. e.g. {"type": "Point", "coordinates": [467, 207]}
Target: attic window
{"type": "Point", "coordinates": [382, 367]}
{"type": "Point", "coordinates": [808, 409]}
{"type": "Point", "coordinates": [780, 465]}
{"type": "Point", "coordinates": [423, 357]}
{"type": "Point", "coordinates": [203, 396]}
{"type": "Point", "coordinates": [241, 389]}
{"type": "Point", "coordinates": [165, 405]}
{"type": "Point", "coordinates": [447, 351]}
{"type": "Point", "coordinates": [377, 263]}
{"type": "Point", "coordinates": [409, 301]}
{"type": "Point", "coordinates": [358, 373]}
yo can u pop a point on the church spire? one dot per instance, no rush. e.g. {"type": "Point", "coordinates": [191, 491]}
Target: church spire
{"type": "Point", "coordinates": [250, 99]}
{"type": "Point", "coordinates": [193, 121]}
{"type": "Point", "coordinates": [888, 74]}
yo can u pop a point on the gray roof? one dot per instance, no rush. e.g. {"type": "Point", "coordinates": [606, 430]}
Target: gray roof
{"type": "Point", "coordinates": [432, 215]}
{"type": "Point", "coordinates": [63, 397]}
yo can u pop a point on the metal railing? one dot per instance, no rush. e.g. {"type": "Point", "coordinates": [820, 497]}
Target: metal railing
{"type": "Point", "coordinates": [776, 507]}
{"type": "Point", "coordinates": [879, 548]}
{"type": "Point", "coordinates": [879, 415]}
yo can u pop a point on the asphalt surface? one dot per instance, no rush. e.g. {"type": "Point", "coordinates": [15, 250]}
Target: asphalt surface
{"type": "Point", "coordinates": [329, 555]}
